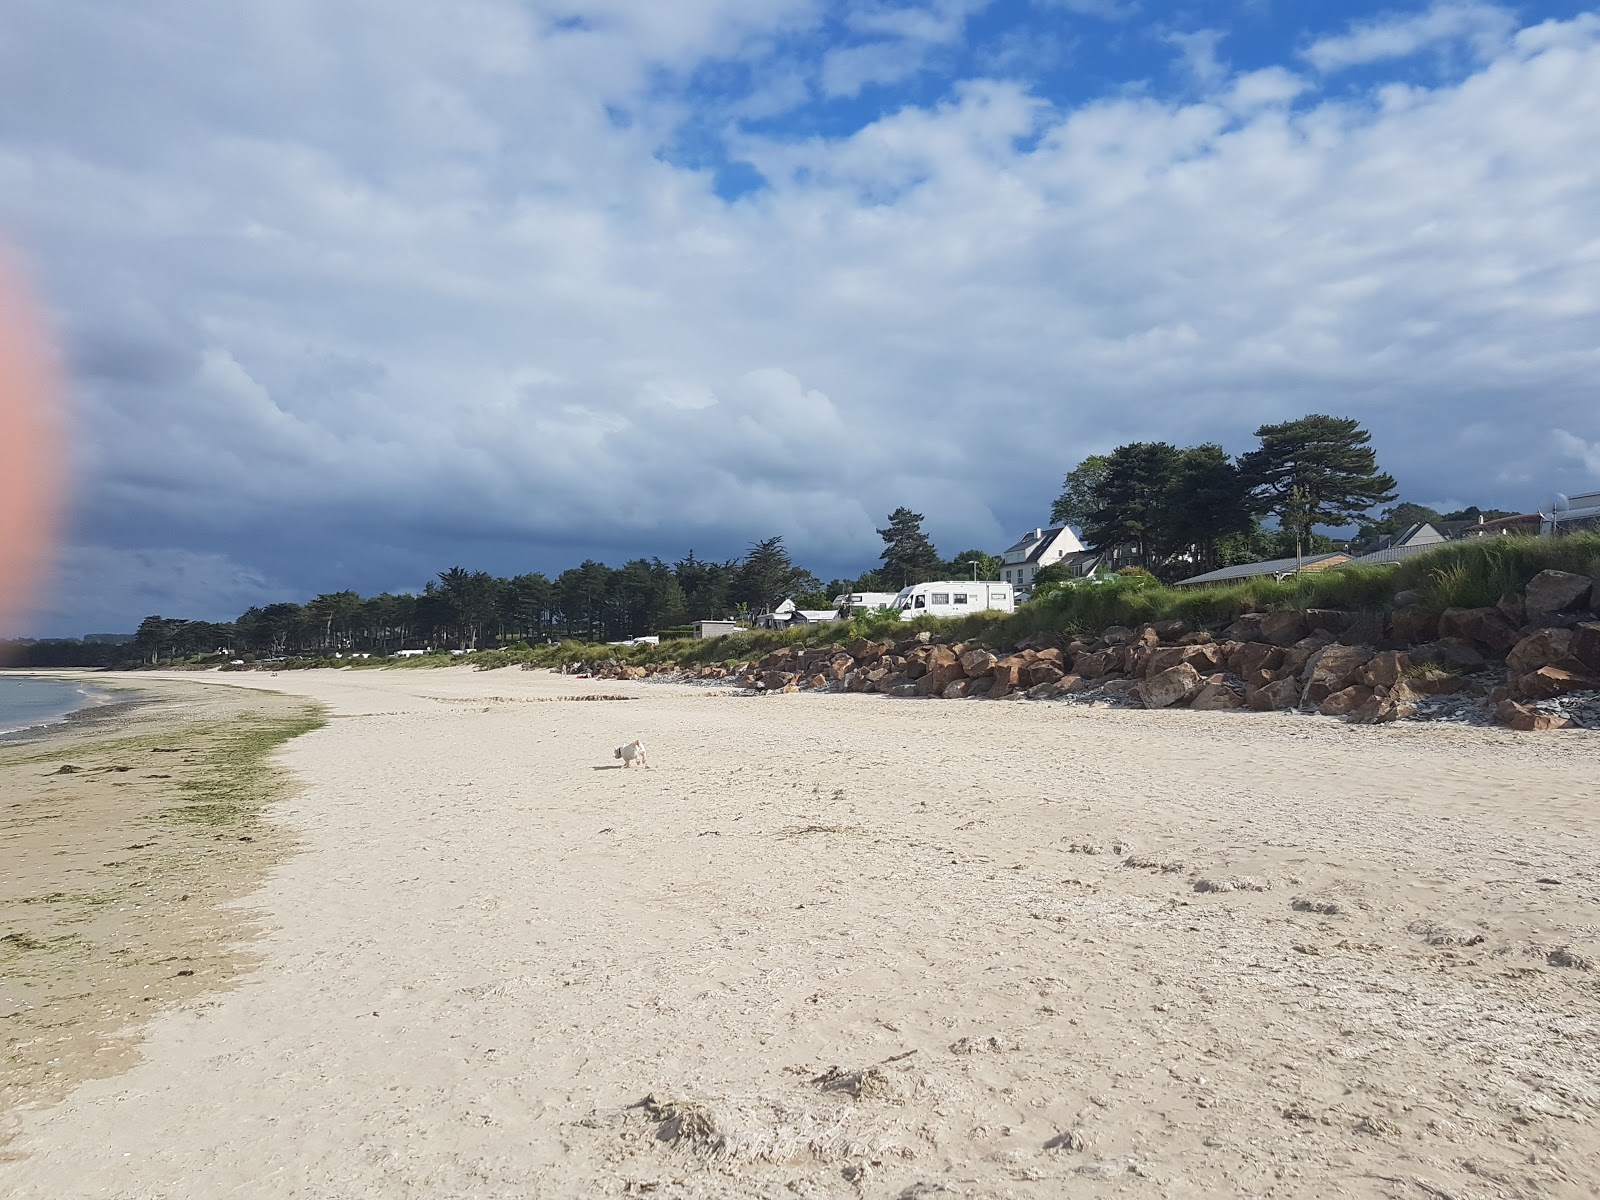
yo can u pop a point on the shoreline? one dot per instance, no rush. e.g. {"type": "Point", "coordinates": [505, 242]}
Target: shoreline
{"type": "Point", "coordinates": [101, 702]}
{"type": "Point", "coordinates": [121, 900]}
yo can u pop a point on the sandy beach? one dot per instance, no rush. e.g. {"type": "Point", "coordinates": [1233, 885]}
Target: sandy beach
{"type": "Point", "coordinates": [837, 945]}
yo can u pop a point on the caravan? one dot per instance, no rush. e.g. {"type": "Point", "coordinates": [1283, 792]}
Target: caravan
{"type": "Point", "coordinates": [955, 598]}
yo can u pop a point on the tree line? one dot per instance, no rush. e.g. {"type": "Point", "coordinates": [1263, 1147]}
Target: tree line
{"type": "Point", "coordinates": [465, 609]}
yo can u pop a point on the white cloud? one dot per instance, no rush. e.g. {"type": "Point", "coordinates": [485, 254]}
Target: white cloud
{"type": "Point", "coordinates": [1199, 52]}
{"type": "Point", "coordinates": [1579, 449]}
{"type": "Point", "coordinates": [340, 339]}
{"type": "Point", "coordinates": [1482, 28]}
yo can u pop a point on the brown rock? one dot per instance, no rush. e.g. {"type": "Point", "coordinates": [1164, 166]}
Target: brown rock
{"type": "Point", "coordinates": [1539, 649]}
{"type": "Point", "coordinates": [1453, 654]}
{"type": "Point", "coordinates": [1277, 695]}
{"type": "Point", "coordinates": [1203, 658]}
{"type": "Point", "coordinates": [1346, 701]}
{"type": "Point", "coordinates": [1386, 668]}
{"type": "Point", "coordinates": [1283, 628]}
{"type": "Point", "coordinates": [1549, 682]}
{"type": "Point", "coordinates": [1511, 607]}
{"type": "Point", "coordinates": [1410, 626]}
{"type": "Point", "coordinates": [1049, 655]}
{"type": "Point", "coordinates": [904, 691]}
{"type": "Point", "coordinates": [1257, 679]}
{"type": "Point", "coordinates": [1172, 686]}
{"type": "Point", "coordinates": [1555, 592]}
{"type": "Point", "coordinates": [1215, 697]}
{"type": "Point", "coordinates": [1117, 687]}
{"type": "Point", "coordinates": [1256, 656]}
{"type": "Point", "coordinates": [817, 681]}
{"type": "Point", "coordinates": [1483, 627]}
{"type": "Point", "coordinates": [1442, 685]}
{"type": "Point", "coordinates": [1044, 691]}
{"type": "Point", "coordinates": [957, 690]}
{"type": "Point", "coordinates": [1526, 719]}
{"type": "Point", "coordinates": [1198, 638]}
{"type": "Point", "coordinates": [1044, 672]}
{"type": "Point", "coordinates": [1335, 667]}
{"type": "Point", "coordinates": [1329, 620]}
{"type": "Point", "coordinates": [838, 668]}
{"type": "Point", "coordinates": [975, 664]}
{"type": "Point", "coordinates": [1071, 685]}
{"type": "Point", "coordinates": [1092, 665]}
{"type": "Point", "coordinates": [776, 680]}
{"type": "Point", "coordinates": [1011, 669]}
{"type": "Point", "coordinates": [1585, 646]}
{"type": "Point", "coordinates": [1116, 635]}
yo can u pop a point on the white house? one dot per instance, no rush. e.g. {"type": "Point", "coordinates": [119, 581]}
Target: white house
{"type": "Point", "coordinates": [1037, 548]}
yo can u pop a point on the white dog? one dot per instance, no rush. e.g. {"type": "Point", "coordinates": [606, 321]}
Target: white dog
{"type": "Point", "coordinates": [632, 753]}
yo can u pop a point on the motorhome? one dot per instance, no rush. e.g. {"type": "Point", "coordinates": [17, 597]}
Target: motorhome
{"type": "Point", "coordinates": [955, 598]}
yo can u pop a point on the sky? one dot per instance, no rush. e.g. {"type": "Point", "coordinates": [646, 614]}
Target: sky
{"type": "Point", "coordinates": [351, 291]}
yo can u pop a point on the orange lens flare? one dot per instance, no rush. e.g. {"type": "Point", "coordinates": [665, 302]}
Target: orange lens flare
{"type": "Point", "coordinates": [30, 448]}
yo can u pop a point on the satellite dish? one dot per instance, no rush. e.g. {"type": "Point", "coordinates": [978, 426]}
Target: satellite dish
{"type": "Point", "coordinates": [1560, 503]}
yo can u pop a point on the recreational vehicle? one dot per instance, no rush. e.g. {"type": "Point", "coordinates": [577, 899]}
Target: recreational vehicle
{"type": "Point", "coordinates": [955, 598]}
{"type": "Point", "coordinates": [854, 602]}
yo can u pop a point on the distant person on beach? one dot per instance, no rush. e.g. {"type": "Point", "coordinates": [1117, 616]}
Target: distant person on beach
{"type": "Point", "coordinates": [29, 448]}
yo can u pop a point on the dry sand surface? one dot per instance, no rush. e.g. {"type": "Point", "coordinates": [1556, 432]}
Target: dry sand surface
{"type": "Point", "coordinates": [848, 946]}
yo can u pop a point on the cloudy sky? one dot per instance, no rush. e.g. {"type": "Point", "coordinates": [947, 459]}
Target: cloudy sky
{"type": "Point", "coordinates": [351, 291]}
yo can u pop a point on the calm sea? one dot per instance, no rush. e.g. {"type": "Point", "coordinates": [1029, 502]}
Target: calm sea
{"type": "Point", "coordinates": [26, 702]}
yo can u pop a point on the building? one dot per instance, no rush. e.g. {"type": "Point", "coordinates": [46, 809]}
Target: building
{"type": "Point", "coordinates": [1572, 514]}
{"type": "Point", "coordinates": [1274, 568]}
{"type": "Point", "coordinates": [1397, 547]}
{"type": "Point", "coordinates": [1041, 548]}
{"type": "Point", "coordinates": [712, 629]}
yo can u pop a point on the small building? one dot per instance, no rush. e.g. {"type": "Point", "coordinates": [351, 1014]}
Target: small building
{"type": "Point", "coordinates": [1394, 548]}
{"type": "Point", "coordinates": [713, 629]}
{"type": "Point", "coordinates": [1273, 568]}
{"type": "Point", "coordinates": [1039, 548]}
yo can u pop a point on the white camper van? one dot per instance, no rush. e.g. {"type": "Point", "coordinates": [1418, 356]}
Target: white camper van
{"type": "Point", "coordinates": [863, 601]}
{"type": "Point", "coordinates": [955, 598]}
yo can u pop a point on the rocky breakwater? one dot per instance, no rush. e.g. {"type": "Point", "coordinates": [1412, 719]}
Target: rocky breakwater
{"type": "Point", "coordinates": [1530, 662]}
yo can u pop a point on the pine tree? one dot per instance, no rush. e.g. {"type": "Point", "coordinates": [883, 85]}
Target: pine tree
{"type": "Point", "coordinates": [908, 556]}
{"type": "Point", "coordinates": [1319, 470]}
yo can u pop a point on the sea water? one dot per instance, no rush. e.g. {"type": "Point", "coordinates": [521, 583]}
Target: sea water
{"type": "Point", "coordinates": [26, 701]}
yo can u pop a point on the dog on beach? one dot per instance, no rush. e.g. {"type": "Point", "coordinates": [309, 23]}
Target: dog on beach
{"type": "Point", "coordinates": [632, 754]}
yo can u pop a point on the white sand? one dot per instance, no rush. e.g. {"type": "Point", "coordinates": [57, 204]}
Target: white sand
{"type": "Point", "coordinates": [493, 943]}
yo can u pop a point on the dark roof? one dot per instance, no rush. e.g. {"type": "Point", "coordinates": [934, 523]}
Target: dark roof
{"type": "Point", "coordinates": [1046, 537]}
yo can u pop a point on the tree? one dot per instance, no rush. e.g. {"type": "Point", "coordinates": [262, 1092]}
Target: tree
{"type": "Point", "coordinates": [767, 575]}
{"type": "Point", "coordinates": [1318, 470]}
{"type": "Point", "coordinates": [1079, 492]}
{"type": "Point", "coordinates": [962, 565]}
{"type": "Point", "coordinates": [908, 556]}
{"type": "Point", "coordinates": [1207, 504]}
{"type": "Point", "coordinates": [1134, 496]}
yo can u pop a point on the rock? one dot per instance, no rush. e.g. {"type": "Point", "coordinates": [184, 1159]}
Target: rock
{"type": "Point", "coordinates": [1283, 628]}
{"type": "Point", "coordinates": [1012, 670]}
{"type": "Point", "coordinates": [1386, 669]}
{"type": "Point", "coordinates": [957, 690]}
{"type": "Point", "coordinates": [1214, 697]}
{"type": "Point", "coordinates": [777, 680]}
{"type": "Point", "coordinates": [1172, 686]}
{"type": "Point", "coordinates": [1453, 654]}
{"type": "Point", "coordinates": [1525, 719]}
{"type": "Point", "coordinates": [1410, 625]}
{"type": "Point", "coordinates": [1549, 682]}
{"type": "Point", "coordinates": [975, 664]}
{"type": "Point", "coordinates": [1116, 635]}
{"type": "Point", "coordinates": [1385, 705]}
{"type": "Point", "coordinates": [1346, 701]}
{"type": "Point", "coordinates": [944, 668]}
{"type": "Point", "coordinates": [1117, 687]}
{"type": "Point", "coordinates": [1555, 592]}
{"type": "Point", "coordinates": [1277, 695]}
{"type": "Point", "coordinates": [1442, 685]}
{"type": "Point", "coordinates": [1071, 685]}
{"type": "Point", "coordinates": [1513, 609]}
{"type": "Point", "coordinates": [1585, 645]}
{"type": "Point", "coordinates": [1092, 665]}
{"type": "Point", "coordinates": [1045, 690]}
{"type": "Point", "coordinates": [817, 681]}
{"type": "Point", "coordinates": [1335, 667]}
{"type": "Point", "coordinates": [1169, 629]}
{"type": "Point", "coordinates": [1044, 672]}
{"type": "Point", "coordinates": [1255, 656]}
{"type": "Point", "coordinates": [904, 690]}
{"type": "Point", "coordinates": [1202, 657]}
{"type": "Point", "coordinates": [1483, 627]}
{"type": "Point", "coordinates": [1329, 620]}
{"type": "Point", "coordinates": [1539, 649]}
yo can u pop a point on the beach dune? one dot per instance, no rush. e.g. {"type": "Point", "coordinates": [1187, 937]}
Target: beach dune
{"type": "Point", "coordinates": [841, 946]}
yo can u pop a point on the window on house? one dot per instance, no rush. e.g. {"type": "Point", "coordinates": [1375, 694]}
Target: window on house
{"type": "Point", "coordinates": [940, 598]}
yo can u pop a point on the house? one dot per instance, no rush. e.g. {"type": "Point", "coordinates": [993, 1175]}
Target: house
{"type": "Point", "coordinates": [1397, 547]}
{"type": "Point", "coordinates": [1040, 548]}
{"type": "Point", "coordinates": [1275, 568]}
{"type": "Point", "coordinates": [713, 629]}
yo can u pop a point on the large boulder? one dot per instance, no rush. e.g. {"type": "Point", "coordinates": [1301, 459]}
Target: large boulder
{"type": "Point", "coordinates": [1410, 625]}
{"type": "Point", "coordinates": [1526, 719]}
{"type": "Point", "coordinates": [1346, 701]}
{"type": "Point", "coordinates": [1586, 644]}
{"type": "Point", "coordinates": [1044, 672]}
{"type": "Point", "coordinates": [975, 664]}
{"type": "Point", "coordinates": [1453, 654]}
{"type": "Point", "coordinates": [1116, 635]}
{"type": "Point", "coordinates": [1334, 668]}
{"type": "Point", "coordinates": [1386, 705]}
{"type": "Point", "coordinates": [1216, 697]}
{"type": "Point", "coordinates": [1329, 620]}
{"type": "Point", "coordinates": [1255, 656]}
{"type": "Point", "coordinates": [1279, 694]}
{"type": "Point", "coordinates": [1011, 670]}
{"type": "Point", "coordinates": [1549, 682]}
{"type": "Point", "coordinates": [774, 681]}
{"type": "Point", "coordinates": [1283, 628]}
{"type": "Point", "coordinates": [1163, 689]}
{"type": "Point", "coordinates": [1556, 592]}
{"type": "Point", "coordinates": [1483, 627]}
{"type": "Point", "coordinates": [1386, 668]}
{"type": "Point", "coordinates": [1203, 657]}
{"type": "Point", "coordinates": [1092, 665]}
{"type": "Point", "coordinates": [1539, 649]}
